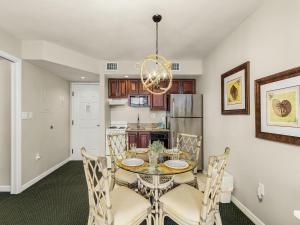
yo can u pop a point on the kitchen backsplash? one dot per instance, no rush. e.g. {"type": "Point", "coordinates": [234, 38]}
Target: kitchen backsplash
{"type": "Point", "coordinates": [129, 114]}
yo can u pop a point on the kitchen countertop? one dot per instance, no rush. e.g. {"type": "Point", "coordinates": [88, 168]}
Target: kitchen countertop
{"type": "Point", "coordinates": [148, 127]}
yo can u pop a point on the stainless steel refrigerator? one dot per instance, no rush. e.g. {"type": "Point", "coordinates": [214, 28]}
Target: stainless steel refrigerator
{"type": "Point", "coordinates": [185, 115]}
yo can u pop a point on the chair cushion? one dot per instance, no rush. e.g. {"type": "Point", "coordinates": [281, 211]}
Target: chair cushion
{"type": "Point", "coordinates": [184, 178]}
{"type": "Point", "coordinates": [184, 202]}
{"type": "Point", "coordinates": [125, 176]}
{"type": "Point", "coordinates": [127, 206]}
{"type": "Point", "coordinates": [201, 181]}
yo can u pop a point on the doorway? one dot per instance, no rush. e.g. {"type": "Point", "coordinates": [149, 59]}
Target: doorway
{"type": "Point", "coordinates": [5, 115]}
{"type": "Point", "coordinates": [13, 130]}
{"type": "Point", "coordinates": [85, 119]}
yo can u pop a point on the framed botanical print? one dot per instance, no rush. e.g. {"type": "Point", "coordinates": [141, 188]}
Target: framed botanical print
{"type": "Point", "coordinates": [235, 90]}
{"type": "Point", "coordinates": [277, 107]}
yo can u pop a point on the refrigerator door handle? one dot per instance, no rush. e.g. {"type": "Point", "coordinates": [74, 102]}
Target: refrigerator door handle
{"type": "Point", "coordinates": [173, 108]}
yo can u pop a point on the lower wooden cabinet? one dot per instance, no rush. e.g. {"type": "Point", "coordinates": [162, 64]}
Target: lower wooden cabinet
{"type": "Point", "coordinates": [132, 138]}
{"type": "Point", "coordinates": [141, 139]}
{"type": "Point", "coordinates": [144, 139]}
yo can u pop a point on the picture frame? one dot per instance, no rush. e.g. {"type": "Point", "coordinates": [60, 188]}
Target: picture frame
{"type": "Point", "coordinates": [277, 107]}
{"type": "Point", "coordinates": [235, 90]}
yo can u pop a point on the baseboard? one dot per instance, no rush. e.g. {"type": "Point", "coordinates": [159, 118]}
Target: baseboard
{"type": "Point", "coordinates": [247, 212]}
{"type": "Point", "coordinates": [4, 188]}
{"type": "Point", "coordinates": [44, 174]}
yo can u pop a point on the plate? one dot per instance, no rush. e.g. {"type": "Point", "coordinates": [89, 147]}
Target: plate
{"type": "Point", "coordinates": [133, 162]}
{"type": "Point", "coordinates": [176, 164]}
{"type": "Point", "coordinates": [173, 151]}
{"type": "Point", "coordinates": [139, 150]}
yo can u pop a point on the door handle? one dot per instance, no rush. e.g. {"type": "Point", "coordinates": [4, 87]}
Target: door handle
{"type": "Point", "coordinates": [98, 125]}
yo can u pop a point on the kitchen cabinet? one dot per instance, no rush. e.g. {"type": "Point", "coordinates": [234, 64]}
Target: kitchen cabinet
{"type": "Point", "coordinates": [142, 90]}
{"type": "Point", "coordinates": [175, 89]}
{"type": "Point", "coordinates": [188, 86]}
{"type": "Point", "coordinates": [117, 88]}
{"type": "Point", "coordinates": [183, 86]}
{"type": "Point", "coordinates": [144, 139]}
{"type": "Point", "coordinates": [133, 86]}
{"type": "Point", "coordinates": [112, 88]}
{"type": "Point", "coordinates": [158, 102]}
{"type": "Point", "coordinates": [133, 138]}
{"type": "Point", "coordinates": [122, 88]}
{"type": "Point", "coordinates": [140, 139]}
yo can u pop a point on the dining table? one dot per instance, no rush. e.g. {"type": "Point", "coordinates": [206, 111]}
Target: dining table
{"type": "Point", "coordinates": [156, 172]}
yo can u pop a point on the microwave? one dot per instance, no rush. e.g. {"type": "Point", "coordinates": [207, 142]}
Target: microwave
{"type": "Point", "coordinates": [139, 100]}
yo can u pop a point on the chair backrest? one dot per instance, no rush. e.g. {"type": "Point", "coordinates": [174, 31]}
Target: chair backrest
{"type": "Point", "coordinates": [216, 167]}
{"type": "Point", "coordinates": [118, 145]}
{"type": "Point", "coordinates": [98, 180]}
{"type": "Point", "coordinates": [190, 143]}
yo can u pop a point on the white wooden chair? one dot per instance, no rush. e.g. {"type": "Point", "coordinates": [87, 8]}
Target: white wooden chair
{"type": "Point", "coordinates": [118, 145]}
{"type": "Point", "coordinates": [191, 144]}
{"type": "Point", "coordinates": [120, 206]}
{"type": "Point", "coordinates": [187, 205]}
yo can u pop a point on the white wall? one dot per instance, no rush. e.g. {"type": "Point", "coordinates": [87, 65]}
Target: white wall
{"type": "Point", "coordinates": [187, 67]}
{"type": "Point", "coordinates": [10, 44]}
{"type": "Point", "coordinates": [47, 97]}
{"type": "Point", "coordinates": [270, 39]}
{"type": "Point", "coordinates": [5, 123]}
{"type": "Point", "coordinates": [129, 114]}
{"type": "Point", "coordinates": [47, 51]}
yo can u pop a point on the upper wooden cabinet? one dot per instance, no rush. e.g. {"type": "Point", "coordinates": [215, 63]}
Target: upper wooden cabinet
{"type": "Point", "coordinates": [117, 88]}
{"type": "Point", "coordinates": [120, 88]}
{"type": "Point", "coordinates": [188, 87]}
{"type": "Point", "coordinates": [175, 89]}
{"type": "Point", "coordinates": [158, 102]}
{"type": "Point", "coordinates": [113, 88]}
{"type": "Point", "coordinates": [142, 90]}
{"type": "Point", "coordinates": [184, 86]}
{"type": "Point", "coordinates": [133, 86]}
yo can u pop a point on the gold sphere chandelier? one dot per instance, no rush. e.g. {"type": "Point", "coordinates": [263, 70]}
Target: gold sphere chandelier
{"type": "Point", "coordinates": [156, 73]}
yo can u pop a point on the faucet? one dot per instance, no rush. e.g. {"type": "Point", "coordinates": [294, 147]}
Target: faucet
{"type": "Point", "coordinates": [138, 120]}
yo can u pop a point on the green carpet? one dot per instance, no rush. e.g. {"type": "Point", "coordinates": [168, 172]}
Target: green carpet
{"type": "Point", "coordinates": [61, 199]}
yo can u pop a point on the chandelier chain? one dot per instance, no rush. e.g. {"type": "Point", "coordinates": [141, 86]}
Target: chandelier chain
{"type": "Point", "coordinates": [156, 38]}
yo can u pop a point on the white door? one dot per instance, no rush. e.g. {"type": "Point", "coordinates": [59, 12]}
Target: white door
{"type": "Point", "coordinates": [85, 119]}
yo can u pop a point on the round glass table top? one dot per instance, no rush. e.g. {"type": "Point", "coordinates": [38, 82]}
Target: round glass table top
{"type": "Point", "coordinates": [161, 168]}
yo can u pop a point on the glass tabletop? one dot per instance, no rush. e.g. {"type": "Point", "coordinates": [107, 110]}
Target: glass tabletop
{"type": "Point", "coordinates": [161, 168]}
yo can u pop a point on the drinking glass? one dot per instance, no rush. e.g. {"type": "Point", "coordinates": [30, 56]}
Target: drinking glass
{"type": "Point", "coordinates": [153, 157]}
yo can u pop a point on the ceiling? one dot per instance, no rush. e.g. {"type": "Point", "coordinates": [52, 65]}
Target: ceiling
{"type": "Point", "coordinates": [120, 29]}
{"type": "Point", "coordinates": [67, 73]}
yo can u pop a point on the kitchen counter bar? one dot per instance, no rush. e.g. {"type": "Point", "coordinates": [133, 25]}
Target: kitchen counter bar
{"type": "Point", "coordinates": [147, 130]}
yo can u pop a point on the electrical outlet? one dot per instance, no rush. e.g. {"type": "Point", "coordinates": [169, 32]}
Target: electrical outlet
{"type": "Point", "coordinates": [260, 191]}
{"type": "Point", "coordinates": [37, 156]}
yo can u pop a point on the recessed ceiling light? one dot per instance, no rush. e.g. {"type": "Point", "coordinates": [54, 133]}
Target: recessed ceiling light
{"type": "Point", "coordinates": [126, 76]}
{"type": "Point", "coordinates": [82, 78]}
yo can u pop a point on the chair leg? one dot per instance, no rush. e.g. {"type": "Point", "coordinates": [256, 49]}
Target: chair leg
{"type": "Point", "coordinates": [218, 218]}
{"type": "Point", "coordinates": [149, 219]}
{"type": "Point", "coordinates": [161, 217]}
{"type": "Point", "coordinates": [91, 218]}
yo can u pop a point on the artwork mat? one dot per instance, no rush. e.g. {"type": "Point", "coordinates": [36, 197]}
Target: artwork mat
{"type": "Point", "coordinates": [239, 75]}
{"type": "Point", "coordinates": [242, 71]}
{"type": "Point", "coordinates": [295, 108]}
{"type": "Point", "coordinates": [275, 133]}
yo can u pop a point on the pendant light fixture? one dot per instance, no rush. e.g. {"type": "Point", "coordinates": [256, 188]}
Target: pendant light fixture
{"type": "Point", "coordinates": [156, 73]}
